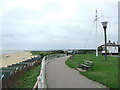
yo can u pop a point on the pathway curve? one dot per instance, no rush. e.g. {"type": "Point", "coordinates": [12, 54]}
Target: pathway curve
{"type": "Point", "coordinates": [59, 75]}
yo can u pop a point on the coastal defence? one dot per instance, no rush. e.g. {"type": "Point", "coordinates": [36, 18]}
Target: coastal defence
{"type": "Point", "coordinates": [12, 73]}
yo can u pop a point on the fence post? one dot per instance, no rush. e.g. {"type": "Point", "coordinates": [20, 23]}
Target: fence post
{"type": "Point", "coordinates": [39, 82]}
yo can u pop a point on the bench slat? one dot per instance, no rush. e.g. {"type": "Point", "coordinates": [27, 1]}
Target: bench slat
{"type": "Point", "coordinates": [86, 63]}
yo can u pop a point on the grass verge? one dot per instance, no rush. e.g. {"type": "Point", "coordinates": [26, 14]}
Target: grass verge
{"type": "Point", "coordinates": [104, 72]}
{"type": "Point", "coordinates": [28, 79]}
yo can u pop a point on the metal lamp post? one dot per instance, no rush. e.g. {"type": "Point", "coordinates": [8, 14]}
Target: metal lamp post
{"type": "Point", "coordinates": [104, 27]}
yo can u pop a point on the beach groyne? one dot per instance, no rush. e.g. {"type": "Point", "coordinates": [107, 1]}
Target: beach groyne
{"type": "Point", "coordinates": [13, 72]}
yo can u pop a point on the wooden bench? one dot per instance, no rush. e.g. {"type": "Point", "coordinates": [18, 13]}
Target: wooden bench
{"type": "Point", "coordinates": [86, 65]}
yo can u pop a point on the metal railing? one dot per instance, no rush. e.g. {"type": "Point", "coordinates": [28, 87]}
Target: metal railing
{"type": "Point", "coordinates": [41, 79]}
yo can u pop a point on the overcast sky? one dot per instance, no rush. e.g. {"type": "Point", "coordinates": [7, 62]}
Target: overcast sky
{"type": "Point", "coordinates": [56, 24]}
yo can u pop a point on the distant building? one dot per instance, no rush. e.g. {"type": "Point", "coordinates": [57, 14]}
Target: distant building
{"type": "Point", "coordinates": [112, 48]}
{"type": "Point", "coordinates": [70, 51]}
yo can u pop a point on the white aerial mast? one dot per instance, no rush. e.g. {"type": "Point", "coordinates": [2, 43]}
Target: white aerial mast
{"type": "Point", "coordinates": [96, 18]}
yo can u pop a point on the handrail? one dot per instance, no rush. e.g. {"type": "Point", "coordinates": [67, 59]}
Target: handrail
{"type": "Point", "coordinates": [41, 80]}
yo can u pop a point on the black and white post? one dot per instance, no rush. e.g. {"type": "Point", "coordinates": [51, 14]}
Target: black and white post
{"type": "Point", "coordinates": [104, 27]}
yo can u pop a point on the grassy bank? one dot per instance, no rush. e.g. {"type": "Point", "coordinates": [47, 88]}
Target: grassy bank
{"type": "Point", "coordinates": [104, 72]}
{"type": "Point", "coordinates": [47, 52]}
{"type": "Point", "coordinates": [28, 79]}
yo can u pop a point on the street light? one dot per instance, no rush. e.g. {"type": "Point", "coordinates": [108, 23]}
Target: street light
{"type": "Point", "coordinates": [104, 27]}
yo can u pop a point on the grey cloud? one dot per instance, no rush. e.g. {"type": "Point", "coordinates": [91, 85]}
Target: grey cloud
{"type": "Point", "coordinates": [20, 31]}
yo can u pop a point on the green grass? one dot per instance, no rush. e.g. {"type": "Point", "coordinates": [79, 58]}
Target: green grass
{"type": "Point", "coordinates": [104, 72]}
{"type": "Point", "coordinates": [47, 52]}
{"type": "Point", "coordinates": [28, 79]}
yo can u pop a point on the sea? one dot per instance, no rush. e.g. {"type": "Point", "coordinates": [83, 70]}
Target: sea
{"type": "Point", "coordinates": [8, 51]}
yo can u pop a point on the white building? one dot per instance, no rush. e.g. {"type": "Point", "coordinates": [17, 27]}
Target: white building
{"type": "Point", "coordinates": [70, 51]}
{"type": "Point", "coordinates": [112, 48]}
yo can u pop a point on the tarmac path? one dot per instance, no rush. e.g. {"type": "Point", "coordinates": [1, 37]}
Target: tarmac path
{"type": "Point", "coordinates": [59, 75]}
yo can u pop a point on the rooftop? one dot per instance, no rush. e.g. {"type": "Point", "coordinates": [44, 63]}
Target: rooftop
{"type": "Point", "coordinates": [111, 44]}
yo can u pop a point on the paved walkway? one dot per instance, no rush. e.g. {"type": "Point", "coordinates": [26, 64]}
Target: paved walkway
{"type": "Point", "coordinates": [59, 75]}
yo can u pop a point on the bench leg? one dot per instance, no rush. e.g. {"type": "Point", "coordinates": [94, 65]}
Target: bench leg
{"type": "Point", "coordinates": [84, 68]}
{"type": "Point", "coordinates": [90, 68]}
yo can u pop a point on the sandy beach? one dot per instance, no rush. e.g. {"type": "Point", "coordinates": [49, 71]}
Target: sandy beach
{"type": "Point", "coordinates": [13, 58]}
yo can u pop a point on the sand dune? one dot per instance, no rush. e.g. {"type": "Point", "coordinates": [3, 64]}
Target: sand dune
{"type": "Point", "coordinates": [13, 58]}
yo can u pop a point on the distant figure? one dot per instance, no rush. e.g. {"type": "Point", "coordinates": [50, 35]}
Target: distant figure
{"type": "Point", "coordinates": [7, 56]}
{"type": "Point", "coordinates": [67, 54]}
{"type": "Point", "coordinates": [42, 55]}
